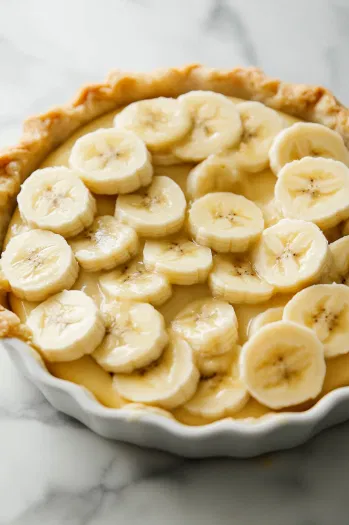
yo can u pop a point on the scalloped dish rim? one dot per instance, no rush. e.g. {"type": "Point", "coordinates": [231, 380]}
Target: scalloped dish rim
{"type": "Point", "coordinates": [261, 427]}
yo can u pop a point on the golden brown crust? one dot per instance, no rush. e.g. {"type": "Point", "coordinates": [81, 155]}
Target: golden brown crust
{"type": "Point", "coordinates": [45, 132]}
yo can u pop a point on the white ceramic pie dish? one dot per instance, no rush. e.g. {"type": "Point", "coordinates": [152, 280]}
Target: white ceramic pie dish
{"type": "Point", "coordinates": [42, 134]}
{"type": "Point", "coordinates": [224, 438]}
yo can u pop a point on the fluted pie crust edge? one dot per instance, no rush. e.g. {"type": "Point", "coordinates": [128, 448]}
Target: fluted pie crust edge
{"type": "Point", "coordinates": [43, 133]}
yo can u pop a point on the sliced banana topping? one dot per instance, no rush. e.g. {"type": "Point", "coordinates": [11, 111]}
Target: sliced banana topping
{"type": "Point", "coordinates": [260, 125]}
{"type": "Point", "coordinates": [165, 158]}
{"type": "Point", "coordinates": [271, 315]}
{"type": "Point", "coordinates": [245, 313]}
{"type": "Point", "coordinates": [219, 395]}
{"type": "Point", "coordinates": [156, 211]}
{"type": "Point", "coordinates": [235, 279]}
{"type": "Point", "coordinates": [135, 336]}
{"type": "Point", "coordinates": [245, 259]}
{"type": "Point", "coordinates": [338, 270]}
{"type": "Point", "coordinates": [283, 365]}
{"type": "Point", "coordinates": [328, 274]}
{"type": "Point", "coordinates": [55, 199]}
{"type": "Point", "coordinates": [314, 189]}
{"type": "Point", "coordinates": [209, 325]}
{"type": "Point", "coordinates": [215, 174]}
{"type": "Point", "coordinates": [37, 264]}
{"type": "Point", "coordinates": [271, 213]}
{"type": "Point", "coordinates": [210, 365]}
{"type": "Point", "coordinates": [304, 139]}
{"type": "Point", "coordinates": [139, 409]}
{"type": "Point", "coordinates": [181, 260]}
{"type": "Point", "coordinates": [291, 254]}
{"type": "Point", "coordinates": [66, 326]}
{"type": "Point", "coordinates": [16, 227]}
{"type": "Point", "coordinates": [168, 382]}
{"type": "Point", "coordinates": [112, 161]}
{"type": "Point", "coordinates": [106, 244]}
{"type": "Point", "coordinates": [134, 282]}
{"type": "Point", "coordinates": [225, 222]}
{"type": "Point", "coordinates": [158, 122]}
{"type": "Point", "coordinates": [324, 308]}
{"type": "Point", "coordinates": [216, 125]}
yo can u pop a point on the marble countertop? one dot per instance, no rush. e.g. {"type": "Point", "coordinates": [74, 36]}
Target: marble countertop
{"type": "Point", "coordinates": [53, 470]}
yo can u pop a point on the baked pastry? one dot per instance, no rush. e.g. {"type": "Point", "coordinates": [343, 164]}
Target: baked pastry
{"type": "Point", "coordinates": [180, 242]}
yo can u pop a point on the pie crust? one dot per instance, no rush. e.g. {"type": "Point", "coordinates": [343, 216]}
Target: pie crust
{"type": "Point", "coordinates": [43, 133]}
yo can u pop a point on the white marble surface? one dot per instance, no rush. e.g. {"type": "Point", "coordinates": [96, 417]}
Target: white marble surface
{"type": "Point", "coordinates": [52, 470]}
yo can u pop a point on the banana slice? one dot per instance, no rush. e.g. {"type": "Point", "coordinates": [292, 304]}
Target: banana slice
{"type": "Point", "coordinates": [138, 410]}
{"type": "Point", "coordinates": [16, 227]}
{"type": "Point", "coordinates": [324, 308]}
{"type": "Point", "coordinates": [182, 261]}
{"type": "Point", "coordinates": [39, 263]}
{"type": "Point", "coordinates": [216, 125]}
{"type": "Point", "coordinates": [55, 199]}
{"type": "Point", "coordinates": [158, 122]}
{"type": "Point", "coordinates": [260, 125]}
{"type": "Point", "coordinates": [106, 244]}
{"type": "Point", "coordinates": [134, 282]}
{"type": "Point", "coordinates": [291, 254]}
{"type": "Point", "coordinates": [209, 326]}
{"type": "Point", "coordinates": [165, 158]}
{"type": "Point", "coordinates": [304, 139]}
{"type": "Point", "coordinates": [271, 213]}
{"type": "Point", "coordinates": [314, 189]}
{"type": "Point", "coordinates": [225, 222]}
{"type": "Point", "coordinates": [66, 326]}
{"type": "Point", "coordinates": [112, 161]}
{"type": "Point", "coordinates": [157, 211]}
{"type": "Point", "coordinates": [167, 383]}
{"type": "Point", "coordinates": [271, 315]}
{"type": "Point", "coordinates": [220, 395]}
{"type": "Point", "coordinates": [327, 270]}
{"type": "Point", "coordinates": [135, 336]}
{"type": "Point", "coordinates": [339, 269]}
{"type": "Point", "coordinates": [283, 365]}
{"type": "Point", "coordinates": [210, 365]}
{"type": "Point", "coordinates": [235, 280]}
{"type": "Point", "coordinates": [215, 174]}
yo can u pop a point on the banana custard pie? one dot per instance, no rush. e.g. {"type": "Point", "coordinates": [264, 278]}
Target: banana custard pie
{"type": "Point", "coordinates": [178, 242]}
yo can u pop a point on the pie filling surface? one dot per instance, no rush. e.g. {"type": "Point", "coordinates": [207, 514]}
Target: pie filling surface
{"type": "Point", "coordinates": [189, 256]}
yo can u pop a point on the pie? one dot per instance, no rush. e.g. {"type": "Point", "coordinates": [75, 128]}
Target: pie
{"type": "Point", "coordinates": [179, 242]}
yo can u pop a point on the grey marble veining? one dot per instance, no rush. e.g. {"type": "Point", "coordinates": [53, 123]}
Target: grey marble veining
{"type": "Point", "coordinates": [53, 470]}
